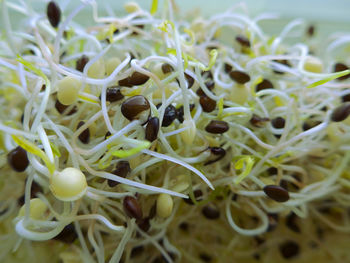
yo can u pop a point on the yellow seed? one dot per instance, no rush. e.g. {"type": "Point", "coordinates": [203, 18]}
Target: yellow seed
{"type": "Point", "coordinates": [37, 209]}
{"type": "Point", "coordinates": [239, 94]}
{"type": "Point", "coordinates": [131, 7]}
{"type": "Point", "coordinates": [313, 64]}
{"type": "Point", "coordinates": [164, 205]}
{"type": "Point", "coordinates": [180, 183]}
{"type": "Point", "coordinates": [68, 185]}
{"type": "Point", "coordinates": [111, 65]}
{"type": "Point", "coordinates": [97, 70]}
{"type": "Point", "coordinates": [68, 90]}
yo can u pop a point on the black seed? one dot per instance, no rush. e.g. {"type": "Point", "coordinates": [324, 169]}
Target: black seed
{"type": "Point", "coordinates": [136, 251]}
{"type": "Point", "coordinates": [218, 152]}
{"type": "Point", "coordinates": [205, 257]}
{"type": "Point", "coordinates": [53, 13]}
{"type": "Point", "coordinates": [341, 67]}
{"type": "Point", "coordinates": [210, 211]}
{"type": "Point", "coordinates": [144, 224]}
{"type": "Point", "coordinates": [113, 94]}
{"type": "Point", "coordinates": [62, 108]}
{"type": "Point", "coordinates": [107, 135]}
{"type": "Point", "coordinates": [167, 68]}
{"type": "Point", "coordinates": [132, 207]}
{"type": "Point", "coordinates": [169, 116]}
{"type": "Point", "coordinates": [273, 221]}
{"type": "Point", "coordinates": [291, 222]}
{"type": "Point", "coordinates": [283, 62]}
{"type": "Point", "coordinates": [122, 169]}
{"type": "Point", "coordinates": [136, 79]}
{"type": "Point", "coordinates": [258, 121]}
{"type": "Point", "coordinates": [67, 235]}
{"type": "Point", "coordinates": [81, 63]}
{"type": "Point", "coordinates": [243, 41]}
{"type": "Point", "coordinates": [136, 107]}
{"type": "Point", "coordinates": [272, 171]}
{"type": "Point", "coordinates": [239, 76]}
{"type": "Point", "coordinates": [278, 122]}
{"type": "Point", "coordinates": [310, 31]}
{"type": "Point", "coordinates": [346, 97]}
{"type": "Point", "coordinates": [152, 129]}
{"type": "Point", "coordinates": [341, 112]}
{"type": "Point", "coordinates": [217, 127]}
{"type": "Point", "coordinates": [197, 195]}
{"type": "Point", "coordinates": [265, 84]}
{"type": "Point", "coordinates": [208, 105]}
{"type": "Point", "coordinates": [276, 193]}
{"type": "Point", "coordinates": [289, 249]}
{"type": "Point", "coordinates": [84, 136]}
{"type": "Point", "coordinates": [227, 68]}
{"type": "Point", "coordinates": [184, 226]}
{"type": "Point", "coordinates": [259, 240]}
{"type": "Point", "coordinates": [18, 159]}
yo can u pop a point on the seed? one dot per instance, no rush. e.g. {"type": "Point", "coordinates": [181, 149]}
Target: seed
{"type": "Point", "coordinates": [227, 68]}
{"type": "Point", "coordinates": [210, 211]}
{"type": "Point", "coordinates": [205, 257]}
{"type": "Point", "coordinates": [136, 108]}
{"type": "Point", "coordinates": [209, 84]}
{"type": "Point", "coordinates": [278, 122]}
{"type": "Point", "coordinates": [167, 68]}
{"type": "Point", "coordinates": [136, 79]}
{"type": "Point", "coordinates": [341, 112]}
{"type": "Point", "coordinates": [218, 152]}
{"type": "Point", "coordinates": [310, 31]}
{"type": "Point", "coordinates": [283, 62]}
{"type": "Point", "coordinates": [62, 108]}
{"type": "Point", "coordinates": [165, 205]}
{"type": "Point", "coordinates": [84, 136]}
{"type": "Point", "coordinates": [144, 224]}
{"type": "Point", "coordinates": [272, 171]}
{"type": "Point", "coordinates": [81, 63]}
{"type": "Point", "coordinates": [113, 94]}
{"type": "Point", "coordinates": [198, 195]}
{"type": "Point", "coordinates": [276, 193]}
{"type": "Point", "coordinates": [289, 249]}
{"type": "Point", "coordinates": [243, 41]}
{"type": "Point", "coordinates": [258, 121]}
{"type": "Point", "coordinates": [152, 129]}
{"type": "Point", "coordinates": [53, 13]}
{"type": "Point", "coordinates": [189, 80]}
{"type": "Point", "coordinates": [111, 64]}
{"type": "Point", "coordinates": [38, 209]}
{"type": "Point", "coordinates": [67, 235]}
{"type": "Point", "coordinates": [180, 112]}
{"type": "Point", "coordinates": [18, 159]}
{"type": "Point", "coordinates": [207, 74]}
{"type": "Point", "coordinates": [122, 169]}
{"type": "Point", "coordinates": [68, 90]}
{"type": "Point", "coordinates": [136, 251]}
{"type": "Point", "coordinates": [341, 67]}
{"type": "Point", "coordinates": [184, 226]}
{"type": "Point", "coordinates": [345, 98]}
{"type": "Point", "coordinates": [169, 116]}
{"type": "Point", "coordinates": [239, 76]}
{"type": "Point", "coordinates": [265, 84]}
{"type": "Point", "coordinates": [132, 207]}
{"type": "Point", "coordinates": [313, 64]}
{"type": "Point", "coordinates": [310, 124]}
{"type": "Point", "coordinates": [291, 223]}
{"type": "Point", "coordinates": [207, 103]}
{"type": "Point", "coordinates": [217, 127]}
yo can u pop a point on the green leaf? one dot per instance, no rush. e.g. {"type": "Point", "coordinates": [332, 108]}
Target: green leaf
{"type": "Point", "coordinates": [331, 77]}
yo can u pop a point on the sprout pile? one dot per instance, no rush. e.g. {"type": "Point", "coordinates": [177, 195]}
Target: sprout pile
{"type": "Point", "coordinates": [151, 137]}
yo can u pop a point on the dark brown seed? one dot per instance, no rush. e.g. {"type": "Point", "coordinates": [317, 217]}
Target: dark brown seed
{"type": "Point", "coordinates": [207, 75]}
{"type": "Point", "coordinates": [107, 135]}
{"type": "Point", "coordinates": [341, 112]}
{"type": "Point", "coordinates": [84, 136]}
{"type": "Point", "coordinates": [310, 31]}
{"type": "Point", "coordinates": [283, 62]}
{"type": "Point", "coordinates": [169, 116]}
{"type": "Point", "coordinates": [144, 224]}
{"type": "Point", "coordinates": [122, 169]}
{"type": "Point", "coordinates": [345, 98]}
{"type": "Point", "coordinates": [132, 207]}
{"type": "Point", "coordinates": [208, 105]}
{"type": "Point", "coordinates": [18, 159]}
{"type": "Point", "coordinates": [217, 127]}
{"type": "Point", "coordinates": [198, 195]}
{"type": "Point", "coordinates": [136, 79]}
{"type": "Point", "coordinates": [81, 63]}
{"type": "Point", "coordinates": [218, 153]}
{"type": "Point", "coordinates": [62, 108]}
{"type": "Point", "coordinates": [272, 171]}
{"type": "Point", "coordinates": [273, 221]}
{"type": "Point", "coordinates": [291, 222]}
{"type": "Point", "coordinates": [180, 112]}
{"type": "Point", "coordinates": [227, 68]}
{"type": "Point", "coordinates": [210, 211]}
{"type": "Point", "coordinates": [258, 121]}
{"type": "Point", "coordinates": [205, 257]}
{"type": "Point", "coordinates": [167, 68]}
{"type": "Point", "coordinates": [239, 76]}
{"type": "Point", "coordinates": [152, 129]}
{"type": "Point", "coordinates": [289, 249]}
{"type": "Point", "coordinates": [276, 193]}
{"type": "Point", "coordinates": [53, 13]}
{"type": "Point", "coordinates": [113, 94]}
{"type": "Point", "coordinates": [136, 251]}
{"type": "Point", "coordinates": [135, 33]}
{"type": "Point", "coordinates": [67, 235]}
{"type": "Point", "coordinates": [278, 122]}
{"type": "Point", "coordinates": [184, 226]}
{"type": "Point", "coordinates": [243, 41]}
{"type": "Point", "coordinates": [341, 67]}
{"type": "Point", "coordinates": [310, 124]}
{"type": "Point", "coordinates": [265, 84]}
{"type": "Point", "coordinates": [136, 107]}
{"type": "Point", "coordinates": [153, 211]}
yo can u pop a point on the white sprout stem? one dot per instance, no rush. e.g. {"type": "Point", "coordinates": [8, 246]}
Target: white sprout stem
{"type": "Point", "coordinates": [37, 236]}
{"type": "Point", "coordinates": [45, 142]}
